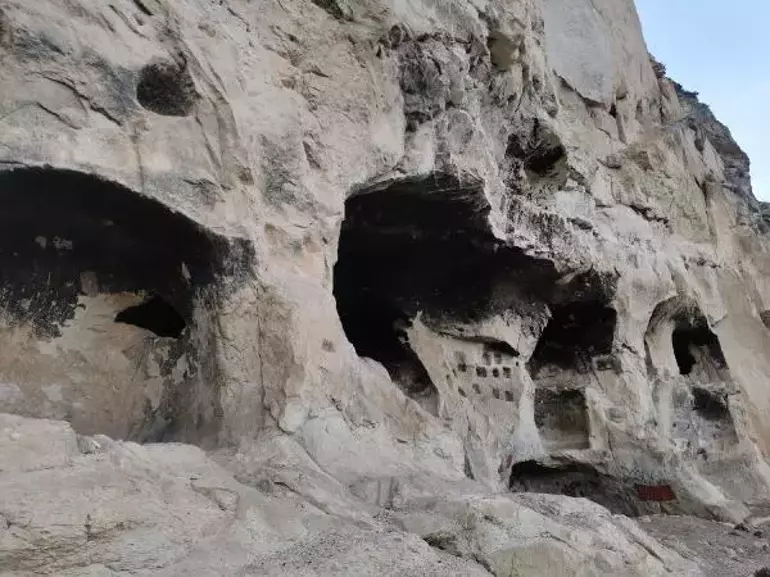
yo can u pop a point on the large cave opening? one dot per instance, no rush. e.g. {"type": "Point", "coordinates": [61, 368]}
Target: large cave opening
{"type": "Point", "coordinates": [421, 245]}
{"type": "Point", "coordinates": [64, 233]}
{"type": "Point", "coordinates": [574, 351]}
{"type": "Point", "coordinates": [94, 280]}
{"type": "Point", "coordinates": [577, 480]}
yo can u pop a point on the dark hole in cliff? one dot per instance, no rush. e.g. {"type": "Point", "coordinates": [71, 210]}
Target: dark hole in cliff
{"type": "Point", "coordinates": [576, 332]}
{"type": "Point", "coordinates": [576, 480]}
{"type": "Point", "coordinates": [710, 405]}
{"type": "Point", "coordinates": [420, 245]}
{"type": "Point", "coordinates": [60, 228]}
{"type": "Point", "coordinates": [684, 358]}
{"type": "Point", "coordinates": [336, 8]}
{"type": "Point", "coordinates": [166, 88]}
{"type": "Point", "coordinates": [561, 417]}
{"type": "Point", "coordinates": [155, 315]}
{"type": "Point", "coordinates": [540, 150]}
{"type": "Point", "coordinates": [679, 329]}
{"type": "Point", "coordinates": [74, 251]}
{"type": "Point", "coordinates": [694, 343]}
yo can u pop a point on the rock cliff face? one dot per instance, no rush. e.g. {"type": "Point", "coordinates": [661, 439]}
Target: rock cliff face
{"type": "Point", "coordinates": [414, 273]}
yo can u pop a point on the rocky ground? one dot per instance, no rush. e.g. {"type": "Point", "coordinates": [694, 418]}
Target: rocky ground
{"type": "Point", "coordinates": [717, 548]}
{"type": "Point", "coordinates": [75, 506]}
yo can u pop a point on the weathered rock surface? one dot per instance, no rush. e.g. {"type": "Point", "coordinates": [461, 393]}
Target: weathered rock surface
{"type": "Point", "coordinates": [119, 508]}
{"type": "Point", "coordinates": [399, 267]}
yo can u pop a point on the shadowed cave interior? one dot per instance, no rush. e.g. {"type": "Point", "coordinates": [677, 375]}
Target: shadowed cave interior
{"type": "Point", "coordinates": [579, 480]}
{"type": "Point", "coordinates": [155, 315]}
{"type": "Point", "coordinates": [61, 229]}
{"type": "Point", "coordinates": [576, 332]}
{"type": "Point", "coordinates": [421, 245]}
{"type": "Point", "coordinates": [79, 255]}
{"type": "Point", "coordinates": [695, 343]}
{"type": "Point", "coordinates": [562, 418]}
{"type": "Point", "coordinates": [702, 425]}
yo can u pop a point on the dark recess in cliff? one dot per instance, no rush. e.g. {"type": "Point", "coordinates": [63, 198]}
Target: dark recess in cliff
{"type": "Point", "coordinates": [577, 480]}
{"type": "Point", "coordinates": [67, 237]}
{"type": "Point", "coordinates": [422, 245]}
{"type": "Point", "coordinates": [576, 332]}
{"type": "Point", "coordinates": [694, 343]}
{"type": "Point", "coordinates": [166, 88]}
{"type": "Point", "coordinates": [155, 315]}
{"type": "Point", "coordinates": [59, 225]}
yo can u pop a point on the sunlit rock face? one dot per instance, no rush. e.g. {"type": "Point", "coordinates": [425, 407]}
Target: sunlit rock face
{"type": "Point", "coordinates": [377, 252]}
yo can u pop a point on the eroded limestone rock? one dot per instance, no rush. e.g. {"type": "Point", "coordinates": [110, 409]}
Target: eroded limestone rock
{"type": "Point", "coordinates": [386, 251]}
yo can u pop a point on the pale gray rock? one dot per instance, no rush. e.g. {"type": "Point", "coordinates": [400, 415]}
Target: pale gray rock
{"type": "Point", "coordinates": [168, 509]}
{"type": "Point", "coordinates": [367, 255]}
{"type": "Point", "coordinates": [579, 47]}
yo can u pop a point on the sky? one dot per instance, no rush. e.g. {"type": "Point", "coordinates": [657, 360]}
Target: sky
{"type": "Point", "coordinates": [721, 50]}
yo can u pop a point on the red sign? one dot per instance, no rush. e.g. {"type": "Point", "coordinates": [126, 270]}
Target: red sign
{"type": "Point", "coordinates": [655, 492]}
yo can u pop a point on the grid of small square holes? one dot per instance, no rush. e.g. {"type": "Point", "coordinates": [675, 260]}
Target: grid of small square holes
{"type": "Point", "coordinates": [491, 367]}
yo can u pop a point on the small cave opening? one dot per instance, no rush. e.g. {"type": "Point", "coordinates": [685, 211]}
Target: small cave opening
{"type": "Point", "coordinates": [422, 246]}
{"type": "Point", "coordinates": [577, 480]}
{"type": "Point", "coordinates": [496, 350]}
{"type": "Point", "coordinates": [702, 424]}
{"type": "Point", "coordinates": [695, 344]}
{"type": "Point", "coordinates": [710, 405]}
{"type": "Point", "coordinates": [540, 150]}
{"type": "Point", "coordinates": [166, 88]}
{"type": "Point", "coordinates": [678, 332]}
{"type": "Point", "coordinates": [155, 315]}
{"type": "Point", "coordinates": [79, 253]}
{"type": "Point", "coordinates": [576, 332]}
{"type": "Point", "coordinates": [685, 360]}
{"type": "Point", "coordinates": [502, 51]}
{"type": "Point", "coordinates": [562, 419]}
{"type": "Point", "coordinates": [535, 159]}
{"type": "Point", "coordinates": [679, 339]}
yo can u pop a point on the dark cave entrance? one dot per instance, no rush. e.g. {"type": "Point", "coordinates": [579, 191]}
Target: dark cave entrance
{"type": "Point", "coordinates": [679, 340]}
{"type": "Point", "coordinates": [60, 228]}
{"type": "Point", "coordinates": [421, 245]}
{"type": "Point", "coordinates": [710, 405]}
{"type": "Point", "coordinates": [694, 343]}
{"type": "Point", "coordinates": [576, 343]}
{"type": "Point", "coordinates": [679, 328]}
{"type": "Point", "coordinates": [70, 241]}
{"type": "Point", "coordinates": [576, 332]}
{"type": "Point", "coordinates": [576, 480]}
{"type": "Point", "coordinates": [155, 315]}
